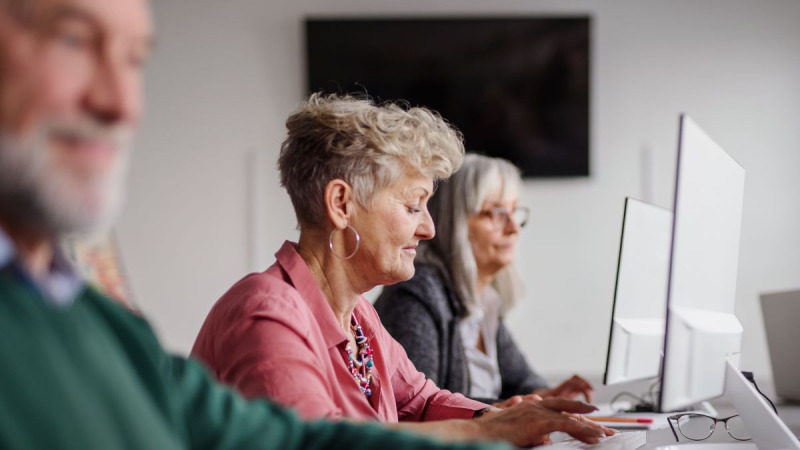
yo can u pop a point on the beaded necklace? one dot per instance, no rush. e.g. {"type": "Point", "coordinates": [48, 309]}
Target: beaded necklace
{"type": "Point", "coordinates": [361, 364]}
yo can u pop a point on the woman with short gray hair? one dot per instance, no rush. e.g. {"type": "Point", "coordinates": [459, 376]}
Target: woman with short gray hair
{"type": "Point", "coordinates": [301, 333]}
{"type": "Point", "coordinates": [464, 283]}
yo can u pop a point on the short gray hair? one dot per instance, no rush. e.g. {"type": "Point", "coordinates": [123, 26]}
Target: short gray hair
{"type": "Point", "coordinates": [367, 145]}
{"type": "Point", "coordinates": [450, 250]}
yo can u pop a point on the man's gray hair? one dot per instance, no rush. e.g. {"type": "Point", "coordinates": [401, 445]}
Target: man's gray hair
{"type": "Point", "coordinates": [450, 250]}
{"type": "Point", "coordinates": [367, 145]}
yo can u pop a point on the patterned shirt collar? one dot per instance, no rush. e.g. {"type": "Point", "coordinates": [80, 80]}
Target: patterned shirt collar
{"type": "Point", "coordinates": [60, 286]}
{"type": "Point", "coordinates": [7, 253]}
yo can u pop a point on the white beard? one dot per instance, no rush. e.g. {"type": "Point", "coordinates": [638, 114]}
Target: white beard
{"type": "Point", "coordinates": [38, 192]}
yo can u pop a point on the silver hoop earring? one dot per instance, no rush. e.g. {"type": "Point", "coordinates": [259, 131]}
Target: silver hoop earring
{"type": "Point", "coordinates": [330, 243]}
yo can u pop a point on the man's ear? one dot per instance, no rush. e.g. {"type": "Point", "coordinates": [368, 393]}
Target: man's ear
{"type": "Point", "coordinates": [339, 198]}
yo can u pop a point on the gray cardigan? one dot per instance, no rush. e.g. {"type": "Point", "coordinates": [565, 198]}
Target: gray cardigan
{"type": "Point", "coordinates": [422, 314]}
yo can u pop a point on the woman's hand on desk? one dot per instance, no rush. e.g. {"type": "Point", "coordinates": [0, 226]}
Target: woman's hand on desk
{"type": "Point", "coordinates": [571, 389]}
{"type": "Point", "coordinates": [530, 422]}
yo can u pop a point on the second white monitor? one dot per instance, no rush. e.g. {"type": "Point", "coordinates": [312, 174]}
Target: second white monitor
{"type": "Point", "coordinates": [637, 323]}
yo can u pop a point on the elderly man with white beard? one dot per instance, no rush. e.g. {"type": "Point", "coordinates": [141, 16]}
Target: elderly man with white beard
{"type": "Point", "coordinates": [78, 370]}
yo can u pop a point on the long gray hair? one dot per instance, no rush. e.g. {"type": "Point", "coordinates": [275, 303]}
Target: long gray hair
{"type": "Point", "coordinates": [450, 250]}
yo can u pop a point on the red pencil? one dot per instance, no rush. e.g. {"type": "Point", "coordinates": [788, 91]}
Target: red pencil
{"type": "Point", "coordinates": [621, 419]}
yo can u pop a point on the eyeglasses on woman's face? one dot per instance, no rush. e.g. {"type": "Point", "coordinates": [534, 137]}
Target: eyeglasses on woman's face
{"type": "Point", "coordinates": [697, 427]}
{"type": "Point", "coordinates": [500, 216]}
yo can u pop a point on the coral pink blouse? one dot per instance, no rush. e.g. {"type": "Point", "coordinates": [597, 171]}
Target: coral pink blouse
{"type": "Point", "coordinates": [273, 334]}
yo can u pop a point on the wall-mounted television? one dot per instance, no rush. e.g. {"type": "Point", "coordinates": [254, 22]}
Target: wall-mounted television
{"type": "Point", "coordinates": [517, 88]}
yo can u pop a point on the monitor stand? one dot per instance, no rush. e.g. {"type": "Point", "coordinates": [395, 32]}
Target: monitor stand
{"type": "Point", "coordinates": [767, 429]}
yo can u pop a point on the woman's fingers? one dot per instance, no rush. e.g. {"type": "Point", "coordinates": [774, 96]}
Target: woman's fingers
{"type": "Point", "coordinates": [511, 401]}
{"type": "Point", "coordinates": [573, 387]}
{"type": "Point", "coordinates": [530, 422]}
{"type": "Point", "coordinates": [589, 433]}
{"type": "Point", "coordinates": [582, 386]}
{"type": "Point", "coordinates": [586, 421]}
{"type": "Point", "coordinates": [565, 405]}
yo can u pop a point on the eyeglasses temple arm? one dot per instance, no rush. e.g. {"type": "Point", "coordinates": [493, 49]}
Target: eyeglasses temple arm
{"type": "Point", "coordinates": [671, 427]}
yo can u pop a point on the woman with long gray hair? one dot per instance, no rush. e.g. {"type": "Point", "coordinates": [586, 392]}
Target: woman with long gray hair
{"type": "Point", "coordinates": [448, 317]}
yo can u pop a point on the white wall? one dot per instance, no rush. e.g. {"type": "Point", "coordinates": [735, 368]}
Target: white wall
{"type": "Point", "coordinates": [226, 74]}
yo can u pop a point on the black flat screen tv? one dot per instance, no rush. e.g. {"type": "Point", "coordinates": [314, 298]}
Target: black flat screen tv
{"type": "Point", "coordinates": [517, 88]}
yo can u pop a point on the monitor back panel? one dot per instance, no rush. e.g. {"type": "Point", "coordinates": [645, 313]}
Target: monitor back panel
{"type": "Point", "coordinates": [781, 312]}
{"type": "Point", "coordinates": [702, 331]}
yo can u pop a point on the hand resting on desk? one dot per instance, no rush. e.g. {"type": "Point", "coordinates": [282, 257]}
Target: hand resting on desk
{"type": "Point", "coordinates": [570, 389]}
{"type": "Point", "coordinates": [530, 422]}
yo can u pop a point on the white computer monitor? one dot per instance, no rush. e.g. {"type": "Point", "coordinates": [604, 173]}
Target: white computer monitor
{"type": "Point", "coordinates": [702, 333]}
{"type": "Point", "coordinates": [638, 314]}
{"type": "Point", "coordinates": [703, 338]}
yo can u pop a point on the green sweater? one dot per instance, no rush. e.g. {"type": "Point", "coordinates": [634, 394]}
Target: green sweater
{"type": "Point", "coordinates": [93, 376]}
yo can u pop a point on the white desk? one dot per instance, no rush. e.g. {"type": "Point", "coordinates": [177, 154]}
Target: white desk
{"type": "Point", "coordinates": [661, 434]}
